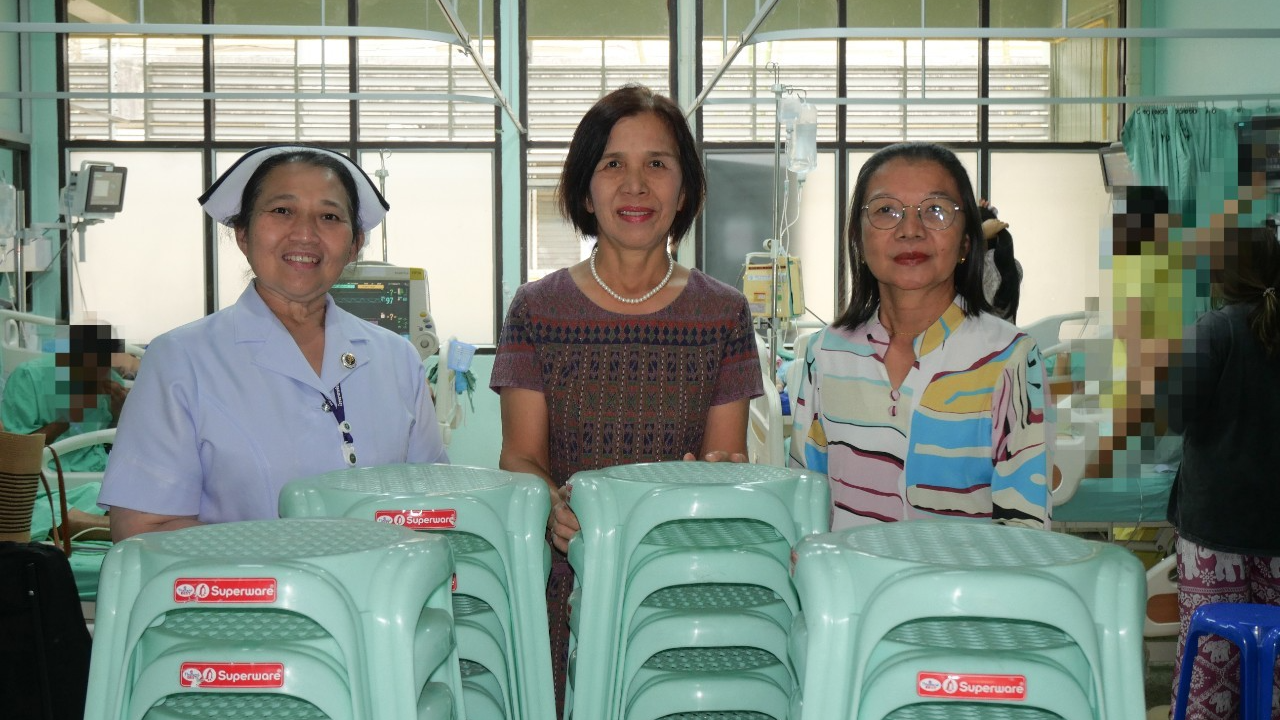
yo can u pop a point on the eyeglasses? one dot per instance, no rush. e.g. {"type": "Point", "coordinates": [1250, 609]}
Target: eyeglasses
{"type": "Point", "coordinates": [935, 213]}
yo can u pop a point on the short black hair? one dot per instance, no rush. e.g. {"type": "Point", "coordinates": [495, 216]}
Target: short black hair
{"type": "Point", "coordinates": [590, 139]}
{"type": "Point", "coordinates": [92, 339]}
{"type": "Point", "coordinates": [88, 351]}
{"type": "Point", "coordinates": [864, 288]}
{"type": "Point", "coordinates": [1137, 224]}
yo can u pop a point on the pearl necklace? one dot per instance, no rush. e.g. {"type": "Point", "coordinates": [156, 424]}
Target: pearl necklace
{"type": "Point", "coordinates": [671, 266]}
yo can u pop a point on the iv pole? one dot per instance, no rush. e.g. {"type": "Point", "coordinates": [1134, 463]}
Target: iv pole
{"type": "Point", "coordinates": [780, 190]}
{"type": "Point", "coordinates": [381, 173]}
{"type": "Point", "coordinates": [774, 242]}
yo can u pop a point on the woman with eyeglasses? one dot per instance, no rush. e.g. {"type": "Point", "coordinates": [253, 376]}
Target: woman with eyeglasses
{"type": "Point", "coordinates": [919, 402]}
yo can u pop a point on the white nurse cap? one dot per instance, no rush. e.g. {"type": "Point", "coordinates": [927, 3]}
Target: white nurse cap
{"type": "Point", "coordinates": [222, 200]}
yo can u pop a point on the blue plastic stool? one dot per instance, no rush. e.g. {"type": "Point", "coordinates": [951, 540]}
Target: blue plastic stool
{"type": "Point", "coordinates": [1255, 629]}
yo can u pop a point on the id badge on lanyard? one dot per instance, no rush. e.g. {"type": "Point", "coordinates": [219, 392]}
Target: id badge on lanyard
{"type": "Point", "coordinates": [340, 414]}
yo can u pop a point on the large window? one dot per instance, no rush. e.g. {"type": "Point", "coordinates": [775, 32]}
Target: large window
{"type": "Point", "coordinates": [742, 106]}
{"type": "Point", "coordinates": [274, 68]}
{"type": "Point", "coordinates": [423, 115]}
{"type": "Point", "coordinates": [135, 65]}
{"type": "Point", "coordinates": [578, 51]}
{"type": "Point", "coordinates": [432, 77]}
{"type": "Point", "coordinates": [1056, 208]}
{"type": "Point", "coordinates": [553, 243]}
{"type": "Point", "coordinates": [739, 216]}
{"type": "Point", "coordinates": [988, 98]}
{"type": "Point", "coordinates": [442, 220]}
{"type": "Point", "coordinates": [143, 271]}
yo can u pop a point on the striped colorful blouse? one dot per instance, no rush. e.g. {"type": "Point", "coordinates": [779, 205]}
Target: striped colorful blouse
{"type": "Point", "coordinates": [965, 435]}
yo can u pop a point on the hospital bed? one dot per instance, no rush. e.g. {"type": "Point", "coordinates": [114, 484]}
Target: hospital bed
{"type": "Point", "coordinates": [768, 424]}
{"type": "Point", "coordinates": [20, 341]}
{"type": "Point", "coordinates": [1162, 621]}
{"type": "Point", "coordinates": [1105, 507]}
{"type": "Point", "coordinates": [766, 432]}
{"type": "Point", "coordinates": [75, 442]}
{"type": "Point", "coordinates": [1117, 509]}
{"type": "Point", "coordinates": [1054, 330]}
{"type": "Point", "coordinates": [81, 493]}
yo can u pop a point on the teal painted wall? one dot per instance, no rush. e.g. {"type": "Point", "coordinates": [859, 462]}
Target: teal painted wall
{"type": "Point", "coordinates": [478, 442]}
{"type": "Point", "coordinates": [10, 110]}
{"type": "Point", "coordinates": [46, 177]}
{"type": "Point", "coordinates": [1202, 66]}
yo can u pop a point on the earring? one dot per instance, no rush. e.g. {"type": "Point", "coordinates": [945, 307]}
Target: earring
{"type": "Point", "coordinates": [962, 260]}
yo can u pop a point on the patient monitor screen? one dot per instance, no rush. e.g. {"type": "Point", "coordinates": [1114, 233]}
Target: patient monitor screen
{"type": "Point", "coordinates": [381, 302]}
{"type": "Point", "coordinates": [105, 194]}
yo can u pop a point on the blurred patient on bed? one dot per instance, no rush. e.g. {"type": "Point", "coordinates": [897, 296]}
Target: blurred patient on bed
{"type": "Point", "coordinates": [71, 391]}
{"type": "Point", "coordinates": [74, 390]}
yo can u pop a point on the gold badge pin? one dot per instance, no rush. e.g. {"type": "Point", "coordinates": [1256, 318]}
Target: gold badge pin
{"type": "Point", "coordinates": [348, 360]}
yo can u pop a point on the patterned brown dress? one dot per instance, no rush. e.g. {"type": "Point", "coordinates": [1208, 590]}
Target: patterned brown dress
{"type": "Point", "coordinates": [622, 388]}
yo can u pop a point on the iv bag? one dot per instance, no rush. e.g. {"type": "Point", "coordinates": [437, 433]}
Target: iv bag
{"type": "Point", "coordinates": [790, 110]}
{"type": "Point", "coordinates": [802, 151]}
{"type": "Point", "coordinates": [8, 210]}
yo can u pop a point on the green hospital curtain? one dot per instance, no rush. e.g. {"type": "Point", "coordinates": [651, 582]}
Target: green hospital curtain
{"type": "Point", "coordinates": [1173, 147]}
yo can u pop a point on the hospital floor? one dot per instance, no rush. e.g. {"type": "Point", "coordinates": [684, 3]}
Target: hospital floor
{"type": "Point", "coordinates": [1159, 683]}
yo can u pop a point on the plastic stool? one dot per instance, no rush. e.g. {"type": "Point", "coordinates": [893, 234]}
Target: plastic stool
{"type": "Point", "coordinates": [1080, 601]}
{"type": "Point", "coordinates": [1255, 629]}
{"type": "Point", "coordinates": [704, 680]}
{"type": "Point", "coordinates": [369, 607]}
{"type": "Point", "coordinates": [436, 701]}
{"type": "Point", "coordinates": [300, 674]}
{"type": "Point", "coordinates": [483, 693]}
{"type": "Point", "coordinates": [1032, 681]}
{"type": "Point", "coordinates": [652, 526]}
{"type": "Point", "coordinates": [970, 711]}
{"type": "Point", "coordinates": [481, 641]}
{"type": "Point", "coordinates": [199, 706]}
{"type": "Point", "coordinates": [494, 522]}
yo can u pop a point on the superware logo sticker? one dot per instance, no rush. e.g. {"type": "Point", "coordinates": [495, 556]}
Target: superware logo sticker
{"type": "Point", "coordinates": [419, 519]}
{"type": "Point", "coordinates": [971, 686]}
{"type": "Point", "coordinates": [224, 590]}
{"type": "Point", "coordinates": [231, 675]}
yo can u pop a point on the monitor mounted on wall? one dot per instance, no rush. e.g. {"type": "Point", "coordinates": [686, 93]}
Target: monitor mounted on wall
{"type": "Point", "coordinates": [1116, 170]}
{"type": "Point", "coordinates": [97, 191]}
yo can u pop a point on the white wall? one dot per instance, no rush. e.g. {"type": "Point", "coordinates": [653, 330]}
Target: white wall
{"type": "Point", "coordinates": [1056, 208]}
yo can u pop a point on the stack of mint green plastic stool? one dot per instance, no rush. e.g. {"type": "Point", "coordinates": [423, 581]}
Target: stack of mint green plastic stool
{"type": "Point", "coordinates": [495, 522]}
{"type": "Point", "coordinates": [682, 594]}
{"type": "Point", "coordinates": [328, 618]}
{"type": "Point", "coordinates": [956, 619]}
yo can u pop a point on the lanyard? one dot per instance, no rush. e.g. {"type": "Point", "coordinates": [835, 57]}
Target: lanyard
{"type": "Point", "coordinates": [340, 414]}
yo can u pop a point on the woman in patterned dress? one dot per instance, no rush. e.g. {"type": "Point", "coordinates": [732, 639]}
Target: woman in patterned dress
{"type": "Point", "coordinates": [1223, 399]}
{"type": "Point", "coordinates": [625, 357]}
{"type": "Point", "coordinates": [918, 402]}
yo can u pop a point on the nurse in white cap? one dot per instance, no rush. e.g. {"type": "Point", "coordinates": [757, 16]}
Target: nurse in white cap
{"type": "Point", "coordinates": [281, 385]}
